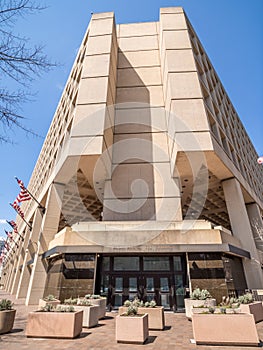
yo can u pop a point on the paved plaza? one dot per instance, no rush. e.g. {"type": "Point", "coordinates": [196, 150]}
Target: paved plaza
{"type": "Point", "coordinates": [176, 335]}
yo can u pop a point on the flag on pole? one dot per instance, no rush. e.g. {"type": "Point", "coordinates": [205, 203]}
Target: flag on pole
{"type": "Point", "coordinates": [14, 225]}
{"type": "Point", "coordinates": [15, 228]}
{"type": "Point", "coordinates": [17, 208]}
{"type": "Point", "coordinates": [9, 234]}
{"type": "Point", "coordinates": [23, 195]}
{"type": "Point", "coordinates": [26, 195]}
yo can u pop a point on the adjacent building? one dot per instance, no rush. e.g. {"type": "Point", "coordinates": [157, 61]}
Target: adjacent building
{"type": "Point", "coordinates": [148, 178]}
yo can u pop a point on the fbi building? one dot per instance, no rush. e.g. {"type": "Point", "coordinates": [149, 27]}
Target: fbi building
{"type": "Point", "coordinates": [148, 181]}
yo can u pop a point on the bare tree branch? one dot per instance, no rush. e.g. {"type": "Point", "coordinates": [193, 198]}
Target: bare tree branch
{"type": "Point", "coordinates": [20, 62]}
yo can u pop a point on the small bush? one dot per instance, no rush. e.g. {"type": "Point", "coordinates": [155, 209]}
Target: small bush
{"type": "Point", "coordinates": [50, 297]}
{"type": "Point", "coordinates": [245, 299]}
{"type": "Point", "coordinates": [200, 294]}
{"type": "Point", "coordinates": [6, 304]}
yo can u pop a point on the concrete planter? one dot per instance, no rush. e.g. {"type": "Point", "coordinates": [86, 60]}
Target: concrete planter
{"type": "Point", "coordinates": [132, 329]}
{"type": "Point", "coordinates": [256, 309]}
{"type": "Point", "coordinates": [43, 303]}
{"type": "Point", "coordinates": [7, 318]}
{"type": "Point", "coordinates": [90, 315]}
{"type": "Point", "coordinates": [102, 303]}
{"type": "Point", "coordinates": [54, 324]}
{"type": "Point", "coordinates": [155, 316]}
{"type": "Point", "coordinates": [221, 329]}
{"type": "Point", "coordinates": [189, 303]}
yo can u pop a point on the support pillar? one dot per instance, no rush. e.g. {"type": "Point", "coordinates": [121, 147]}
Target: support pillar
{"type": "Point", "coordinates": [256, 223]}
{"type": "Point", "coordinates": [241, 229]}
{"type": "Point", "coordinates": [48, 230]}
{"type": "Point", "coordinates": [22, 281]}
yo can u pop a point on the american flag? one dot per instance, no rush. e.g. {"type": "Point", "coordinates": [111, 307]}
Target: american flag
{"type": "Point", "coordinates": [9, 234]}
{"type": "Point", "coordinates": [17, 208]}
{"type": "Point", "coordinates": [14, 225]}
{"type": "Point", "coordinates": [23, 195]}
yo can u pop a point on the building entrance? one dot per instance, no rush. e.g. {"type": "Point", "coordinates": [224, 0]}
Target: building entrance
{"type": "Point", "coordinates": [159, 278]}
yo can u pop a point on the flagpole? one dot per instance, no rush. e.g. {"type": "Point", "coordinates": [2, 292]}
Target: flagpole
{"type": "Point", "coordinates": [28, 224]}
{"type": "Point", "coordinates": [16, 232]}
{"type": "Point", "coordinates": [40, 205]}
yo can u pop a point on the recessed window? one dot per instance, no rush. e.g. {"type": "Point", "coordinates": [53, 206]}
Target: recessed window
{"type": "Point", "coordinates": [126, 263]}
{"type": "Point", "coordinates": [153, 263]}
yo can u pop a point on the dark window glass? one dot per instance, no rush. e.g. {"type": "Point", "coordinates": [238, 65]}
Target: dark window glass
{"type": "Point", "coordinates": [125, 263]}
{"type": "Point", "coordinates": [177, 263]}
{"type": "Point", "coordinates": [153, 263]}
{"type": "Point", "coordinates": [106, 263]}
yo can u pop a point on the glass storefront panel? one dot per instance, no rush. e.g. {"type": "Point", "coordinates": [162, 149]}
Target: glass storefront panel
{"type": "Point", "coordinates": [129, 263]}
{"type": "Point", "coordinates": [156, 263]}
{"type": "Point", "coordinates": [149, 284]}
{"type": "Point", "coordinates": [164, 285]}
{"type": "Point", "coordinates": [133, 284]}
{"type": "Point", "coordinates": [118, 284]}
{"type": "Point", "coordinates": [106, 263]}
{"type": "Point", "coordinates": [177, 263]}
{"type": "Point", "coordinates": [165, 301]}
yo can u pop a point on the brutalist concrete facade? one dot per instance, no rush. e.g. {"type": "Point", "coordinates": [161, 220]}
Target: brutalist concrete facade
{"type": "Point", "coordinates": [149, 180]}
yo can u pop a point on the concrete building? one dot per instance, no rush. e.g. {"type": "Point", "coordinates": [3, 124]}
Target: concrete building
{"type": "Point", "coordinates": [148, 178]}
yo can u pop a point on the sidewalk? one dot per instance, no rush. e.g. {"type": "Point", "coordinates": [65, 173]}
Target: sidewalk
{"type": "Point", "coordinates": [176, 336]}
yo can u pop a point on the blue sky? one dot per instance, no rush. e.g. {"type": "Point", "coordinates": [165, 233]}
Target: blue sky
{"type": "Point", "coordinates": [230, 31]}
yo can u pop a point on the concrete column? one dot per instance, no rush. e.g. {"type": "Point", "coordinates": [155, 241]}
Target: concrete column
{"type": "Point", "coordinates": [22, 279]}
{"type": "Point", "coordinates": [256, 223]}
{"type": "Point", "coordinates": [49, 228]}
{"type": "Point", "coordinates": [241, 228]}
{"type": "Point", "coordinates": [20, 255]}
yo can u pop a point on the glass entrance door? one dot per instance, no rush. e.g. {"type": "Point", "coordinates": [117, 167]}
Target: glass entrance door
{"type": "Point", "coordinates": [124, 288]}
{"type": "Point", "coordinates": [159, 278]}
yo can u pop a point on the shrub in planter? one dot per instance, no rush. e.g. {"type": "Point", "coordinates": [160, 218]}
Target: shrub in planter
{"type": "Point", "coordinates": [155, 313]}
{"type": "Point", "coordinates": [7, 316]}
{"type": "Point", "coordinates": [132, 320]}
{"type": "Point", "coordinates": [50, 299]}
{"type": "Point", "coordinates": [199, 297]}
{"type": "Point", "coordinates": [249, 306]}
{"type": "Point", "coordinates": [60, 322]}
{"type": "Point", "coordinates": [100, 301]}
{"type": "Point", "coordinates": [90, 312]}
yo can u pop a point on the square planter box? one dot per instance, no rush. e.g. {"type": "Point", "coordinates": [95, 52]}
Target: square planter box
{"type": "Point", "coordinates": [90, 315]}
{"type": "Point", "coordinates": [221, 329]}
{"type": "Point", "coordinates": [7, 318]}
{"type": "Point", "coordinates": [256, 309]}
{"type": "Point", "coordinates": [43, 303]}
{"type": "Point", "coordinates": [102, 303]}
{"type": "Point", "coordinates": [132, 329]}
{"type": "Point", "coordinates": [54, 324]}
{"type": "Point", "coordinates": [189, 303]}
{"type": "Point", "coordinates": [155, 316]}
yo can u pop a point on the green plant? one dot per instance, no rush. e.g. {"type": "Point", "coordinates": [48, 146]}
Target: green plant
{"type": "Point", "coordinates": [245, 299]}
{"type": "Point", "coordinates": [200, 294]}
{"type": "Point", "coordinates": [229, 302]}
{"type": "Point", "coordinates": [223, 310]}
{"type": "Point", "coordinates": [211, 310]}
{"type": "Point", "coordinates": [93, 296]}
{"type": "Point", "coordinates": [6, 304]}
{"type": "Point", "coordinates": [152, 303]}
{"type": "Point", "coordinates": [70, 301]}
{"type": "Point", "coordinates": [69, 308]}
{"type": "Point", "coordinates": [132, 310]}
{"type": "Point", "coordinates": [127, 303]}
{"type": "Point", "coordinates": [84, 302]}
{"type": "Point", "coordinates": [59, 308]}
{"type": "Point", "coordinates": [50, 297]}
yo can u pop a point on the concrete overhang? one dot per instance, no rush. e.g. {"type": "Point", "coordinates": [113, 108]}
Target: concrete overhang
{"type": "Point", "coordinates": [157, 249]}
